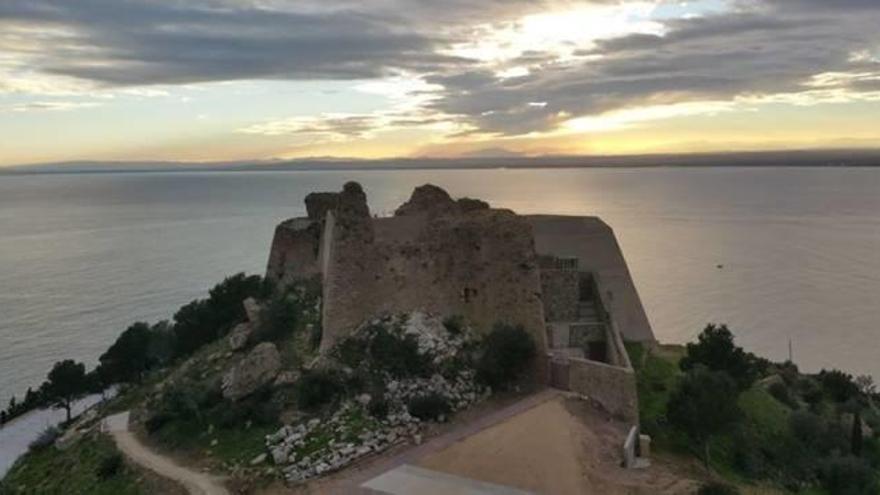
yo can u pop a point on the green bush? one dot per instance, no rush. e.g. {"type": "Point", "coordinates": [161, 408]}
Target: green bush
{"type": "Point", "coordinates": [45, 439]}
{"type": "Point", "coordinates": [849, 476]}
{"type": "Point", "coordinates": [454, 324]}
{"type": "Point", "coordinates": [397, 354]}
{"type": "Point", "coordinates": [110, 466]}
{"type": "Point", "coordinates": [317, 388]}
{"type": "Point", "coordinates": [781, 392]}
{"type": "Point", "coordinates": [507, 353]}
{"type": "Point", "coordinates": [258, 409]}
{"type": "Point", "coordinates": [278, 319]}
{"type": "Point", "coordinates": [429, 407]}
{"type": "Point", "coordinates": [378, 407]}
{"type": "Point", "coordinates": [204, 320]}
{"type": "Point", "coordinates": [715, 488]}
{"type": "Point", "coordinates": [704, 404]}
{"type": "Point", "coordinates": [716, 350]}
{"type": "Point", "coordinates": [838, 385]}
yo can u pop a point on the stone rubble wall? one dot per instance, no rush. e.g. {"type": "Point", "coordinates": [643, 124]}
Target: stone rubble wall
{"type": "Point", "coordinates": [559, 290]}
{"type": "Point", "coordinates": [295, 251]}
{"type": "Point", "coordinates": [442, 258]}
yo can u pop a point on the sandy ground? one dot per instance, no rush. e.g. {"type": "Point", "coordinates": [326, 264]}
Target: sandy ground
{"type": "Point", "coordinates": [560, 447]}
{"type": "Point", "coordinates": [196, 483]}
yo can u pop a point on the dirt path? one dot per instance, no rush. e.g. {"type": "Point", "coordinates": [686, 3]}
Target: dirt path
{"type": "Point", "coordinates": [195, 483]}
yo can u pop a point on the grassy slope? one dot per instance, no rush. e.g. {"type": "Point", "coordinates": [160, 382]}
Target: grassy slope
{"type": "Point", "coordinates": [657, 375]}
{"type": "Point", "coordinates": [79, 464]}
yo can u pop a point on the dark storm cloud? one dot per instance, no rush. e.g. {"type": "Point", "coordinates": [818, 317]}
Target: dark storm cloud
{"type": "Point", "coordinates": [127, 42]}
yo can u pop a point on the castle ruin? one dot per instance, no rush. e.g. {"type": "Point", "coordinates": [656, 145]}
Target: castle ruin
{"type": "Point", "coordinates": [563, 279]}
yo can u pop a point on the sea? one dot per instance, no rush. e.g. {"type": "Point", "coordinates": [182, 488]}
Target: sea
{"type": "Point", "coordinates": [787, 257]}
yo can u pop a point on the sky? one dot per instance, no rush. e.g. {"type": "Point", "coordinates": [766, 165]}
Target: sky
{"type": "Point", "coordinates": [235, 80]}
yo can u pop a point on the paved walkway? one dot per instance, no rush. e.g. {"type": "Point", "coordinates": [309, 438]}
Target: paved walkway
{"type": "Point", "coordinates": [359, 482]}
{"type": "Point", "coordinates": [195, 483]}
{"type": "Point", "coordinates": [408, 480]}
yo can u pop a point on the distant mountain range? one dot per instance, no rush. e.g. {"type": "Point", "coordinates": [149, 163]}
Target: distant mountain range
{"type": "Point", "coordinates": [484, 159]}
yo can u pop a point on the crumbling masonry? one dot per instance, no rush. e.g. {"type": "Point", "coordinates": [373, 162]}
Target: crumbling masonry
{"type": "Point", "coordinates": [563, 279]}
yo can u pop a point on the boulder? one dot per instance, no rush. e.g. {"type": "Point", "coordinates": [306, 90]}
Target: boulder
{"type": "Point", "coordinates": [257, 369]}
{"type": "Point", "coordinates": [239, 336]}
{"type": "Point", "coordinates": [252, 309]}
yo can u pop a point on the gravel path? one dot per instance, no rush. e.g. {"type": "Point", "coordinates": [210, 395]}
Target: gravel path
{"type": "Point", "coordinates": [195, 483]}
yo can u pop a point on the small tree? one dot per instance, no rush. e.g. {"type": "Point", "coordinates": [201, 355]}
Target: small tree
{"type": "Point", "coordinates": [67, 382]}
{"type": "Point", "coordinates": [507, 353]}
{"type": "Point", "coordinates": [704, 404]}
{"type": "Point", "coordinates": [716, 350]}
{"type": "Point", "coordinates": [127, 359]}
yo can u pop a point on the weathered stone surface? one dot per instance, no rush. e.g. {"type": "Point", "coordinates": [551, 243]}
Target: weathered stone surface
{"type": "Point", "coordinates": [286, 378]}
{"type": "Point", "coordinates": [239, 336]}
{"type": "Point", "coordinates": [427, 199]}
{"type": "Point", "coordinates": [257, 369]}
{"type": "Point", "coordinates": [319, 203]}
{"type": "Point", "coordinates": [252, 309]}
{"type": "Point", "coordinates": [470, 204]}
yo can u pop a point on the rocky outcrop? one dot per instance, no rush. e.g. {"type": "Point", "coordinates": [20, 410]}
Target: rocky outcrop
{"type": "Point", "coordinates": [427, 199]}
{"type": "Point", "coordinates": [252, 310]}
{"type": "Point", "coordinates": [256, 370]}
{"type": "Point", "coordinates": [239, 336]}
{"type": "Point", "coordinates": [317, 447]}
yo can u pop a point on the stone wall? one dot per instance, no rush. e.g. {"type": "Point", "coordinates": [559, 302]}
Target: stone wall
{"type": "Point", "coordinates": [613, 387]}
{"type": "Point", "coordinates": [295, 251]}
{"type": "Point", "coordinates": [436, 256]}
{"type": "Point", "coordinates": [559, 289]}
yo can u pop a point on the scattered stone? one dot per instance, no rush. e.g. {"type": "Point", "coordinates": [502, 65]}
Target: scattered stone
{"type": "Point", "coordinates": [259, 459]}
{"type": "Point", "coordinates": [286, 378]}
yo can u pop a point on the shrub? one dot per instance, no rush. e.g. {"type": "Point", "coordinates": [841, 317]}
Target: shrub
{"type": "Point", "coordinates": [397, 354]}
{"type": "Point", "coordinates": [277, 319]}
{"type": "Point", "coordinates": [807, 427]}
{"type": "Point", "coordinates": [716, 488]}
{"type": "Point", "coordinates": [849, 476]}
{"type": "Point", "coordinates": [204, 320]}
{"type": "Point", "coordinates": [378, 407]}
{"type": "Point", "coordinates": [838, 385]}
{"type": "Point", "coordinates": [259, 409]}
{"type": "Point", "coordinates": [716, 350]}
{"type": "Point", "coordinates": [454, 324]}
{"type": "Point", "coordinates": [507, 353]}
{"type": "Point", "coordinates": [781, 392]}
{"type": "Point", "coordinates": [429, 407]}
{"type": "Point", "coordinates": [317, 388]}
{"type": "Point", "coordinates": [351, 351]}
{"type": "Point", "coordinates": [45, 439]}
{"type": "Point", "coordinates": [705, 403]}
{"type": "Point", "coordinates": [110, 466]}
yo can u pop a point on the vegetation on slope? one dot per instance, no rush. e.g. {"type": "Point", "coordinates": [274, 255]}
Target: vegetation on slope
{"type": "Point", "coordinates": [802, 433]}
{"type": "Point", "coordinates": [90, 466]}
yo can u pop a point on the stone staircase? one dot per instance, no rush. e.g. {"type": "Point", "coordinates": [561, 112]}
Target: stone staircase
{"type": "Point", "coordinates": [588, 312]}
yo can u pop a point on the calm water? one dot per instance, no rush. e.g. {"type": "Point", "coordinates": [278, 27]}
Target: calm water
{"type": "Point", "coordinates": [82, 256]}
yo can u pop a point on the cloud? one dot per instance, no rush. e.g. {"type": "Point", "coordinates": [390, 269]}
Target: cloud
{"type": "Point", "coordinates": [477, 67]}
{"type": "Point", "coordinates": [729, 56]}
{"type": "Point", "coordinates": [49, 106]}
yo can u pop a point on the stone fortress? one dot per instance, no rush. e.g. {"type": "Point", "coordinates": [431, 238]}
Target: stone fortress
{"type": "Point", "coordinates": [562, 278]}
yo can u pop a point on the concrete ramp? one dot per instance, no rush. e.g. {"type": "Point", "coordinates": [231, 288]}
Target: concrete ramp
{"type": "Point", "coordinates": [407, 479]}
